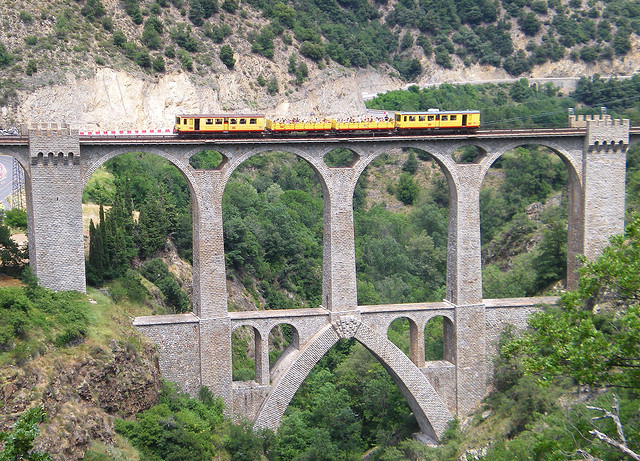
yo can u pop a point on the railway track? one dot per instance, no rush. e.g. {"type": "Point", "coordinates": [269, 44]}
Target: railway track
{"type": "Point", "coordinates": [174, 139]}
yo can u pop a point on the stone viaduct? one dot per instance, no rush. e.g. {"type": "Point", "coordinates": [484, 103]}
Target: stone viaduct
{"type": "Point", "coordinates": [195, 348]}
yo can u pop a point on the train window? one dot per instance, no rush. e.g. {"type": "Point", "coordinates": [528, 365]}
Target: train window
{"type": "Point", "coordinates": [218, 121]}
{"type": "Point", "coordinates": [412, 118]}
{"type": "Point", "coordinates": [421, 118]}
{"type": "Point", "coordinates": [431, 118]}
{"type": "Point", "coordinates": [233, 121]}
{"type": "Point", "coordinates": [209, 121]}
{"type": "Point", "coordinates": [253, 121]}
{"type": "Point", "coordinates": [444, 118]}
{"type": "Point", "coordinates": [177, 120]}
{"type": "Point", "coordinates": [398, 118]}
{"type": "Point", "coordinates": [243, 121]}
{"type": "Point", "coordinates": [184, 121]}
{"type": "Point", "coordinates": [405, 118]}
{"type": "Point", "coordinates": [453, 117]}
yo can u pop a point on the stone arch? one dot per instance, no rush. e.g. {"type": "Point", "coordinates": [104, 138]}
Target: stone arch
{"type": "Point", "coordinates": [574, 166]}
{"type": "Point", "coordinates": [185, 169]}
{"type": "Point", "coordinates": [22, 157]}
{"type": "Point", "coordinates": [441, 156]}
{"type": "Point", "coordinates": [235, 160]}
{"type": "Point", "coordinates": [428, 407]}
{"type": "Point", "coordinates": [256, 348]}
{"type": "Point", "coordinates": [448, 338]}
{"type": "Point", "coordinates": [280, 364]}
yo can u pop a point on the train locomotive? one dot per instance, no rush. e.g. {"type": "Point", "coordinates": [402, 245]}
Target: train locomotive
{"type": "Point", "coordinates": [258, 125]}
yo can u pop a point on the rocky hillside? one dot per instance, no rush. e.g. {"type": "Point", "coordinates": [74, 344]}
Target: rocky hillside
{"type": "Point", "coordinates": [135, 64]}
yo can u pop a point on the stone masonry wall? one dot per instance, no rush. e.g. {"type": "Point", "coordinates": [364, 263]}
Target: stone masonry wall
{"type": "Point", "coordinates": [56, 247]}
{"type": "Point", "coordinates": [178, 340]}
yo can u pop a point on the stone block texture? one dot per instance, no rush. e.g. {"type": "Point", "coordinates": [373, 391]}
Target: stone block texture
{"type": "Point", "coordinates": [54, 195]}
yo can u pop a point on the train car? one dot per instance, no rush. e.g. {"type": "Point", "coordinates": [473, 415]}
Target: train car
{"type": "Point", "coordinates": [434, 119]}
{"type": "Point", "coordinates": [220, 124]}
{"type": "Point", "coordinates": [225, 125]}
{"type": "Point", "coordinates": [364, 124]}
{"type": "Point", "coordinates": [297, 126]}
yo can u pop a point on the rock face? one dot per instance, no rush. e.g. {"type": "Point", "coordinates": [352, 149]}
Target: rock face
{"type": "Point", "coordinates": [82, 395]}
{"type": "Point", "coordinates": [113, 99]}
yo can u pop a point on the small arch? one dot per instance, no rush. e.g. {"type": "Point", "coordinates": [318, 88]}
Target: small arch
{"type": "Point", "coordinates": [49, 159]}
{"type": "Point", "coordinates": [283, 342]}
{"type": "Point", "coordinates": [208, 160]}
{"type": "Point", "coordinates": [60, 159]}
{"type": "Point", "coordinates": [399, 333]}
{"type": "Point", "coordinates": [439, 340]}
{"type": "Point", "coordinates": [244, 340]}
{"type": "Point", "coordinates": [341, 157]}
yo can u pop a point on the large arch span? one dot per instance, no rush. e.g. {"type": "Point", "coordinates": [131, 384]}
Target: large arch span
{"type": "Point", "coordinates": [428, 407]}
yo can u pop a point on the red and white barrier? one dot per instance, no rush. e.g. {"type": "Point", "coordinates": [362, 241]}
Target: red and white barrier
{"type": "Point", "coordinates": [160, 132]}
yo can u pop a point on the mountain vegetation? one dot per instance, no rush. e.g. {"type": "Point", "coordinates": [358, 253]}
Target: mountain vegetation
{"type": "Point", "coordinates": [202, 36]}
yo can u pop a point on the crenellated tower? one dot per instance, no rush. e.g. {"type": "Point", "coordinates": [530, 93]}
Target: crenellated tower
{"type": "Point", "coordinates": [56, 249]}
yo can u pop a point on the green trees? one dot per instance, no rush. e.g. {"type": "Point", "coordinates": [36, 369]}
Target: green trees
{"type": "Point", "coordinates": [594, 337]}
{"type": "Point", "coordinates": [111, 246]}
{"type": "Point", "coordinates": [178, 427]}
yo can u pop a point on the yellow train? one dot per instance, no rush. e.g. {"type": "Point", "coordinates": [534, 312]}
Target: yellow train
{"type": "Point", "coordinates": [246, 125]}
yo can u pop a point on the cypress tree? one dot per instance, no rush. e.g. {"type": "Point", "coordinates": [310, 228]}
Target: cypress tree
{"type": "Point", "coordinates": [94, 269]}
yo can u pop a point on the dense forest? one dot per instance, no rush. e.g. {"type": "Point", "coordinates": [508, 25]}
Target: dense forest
{"type": "Point", "coordinates": [572, 359]}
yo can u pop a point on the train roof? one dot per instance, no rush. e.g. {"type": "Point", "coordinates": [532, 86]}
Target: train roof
{"type": "Point", "coordinates": [436, 111]}
{"type": "Point", "coordinates": [219, 115]}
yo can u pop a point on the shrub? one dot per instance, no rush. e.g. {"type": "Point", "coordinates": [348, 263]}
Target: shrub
{"type": "Point", "coordinates": [107, 23]}
{"type": "Point", "coordinates": [25, 17]}
{"type": "Point", "coordinates": [158, 64]}
{"type": "Point", "coordinates": [185, 60]}
{"type": "Point", "coordinates": [226, 56]}
{"type": "Point", "coordinates": [119, 39]}
{"type": "Point", "coordinates": [93, 9]}
{"type": "Point", "coordinates": [31, 40]}
{"type": "Point", "coordinates": [181, 34]}
{"type": "Point", "coordinates": [31, 68]}
{"type": "Point", "coordinates": [230, 6]}
{"type": "Point", "coordinates": [272, 86]}
{"type": "Point", "coordinates": [311, 50]}
{"type": "Point", "coordinates": [16, 218]}
{"type": "Point", "coordinates": [6, 58]}
{"type": "Point", "coordinates": [132, 7]}
{"type": "Point", "coordinates": [217, 33]}
{"type": "Point", "coordinates": [143, 59]}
